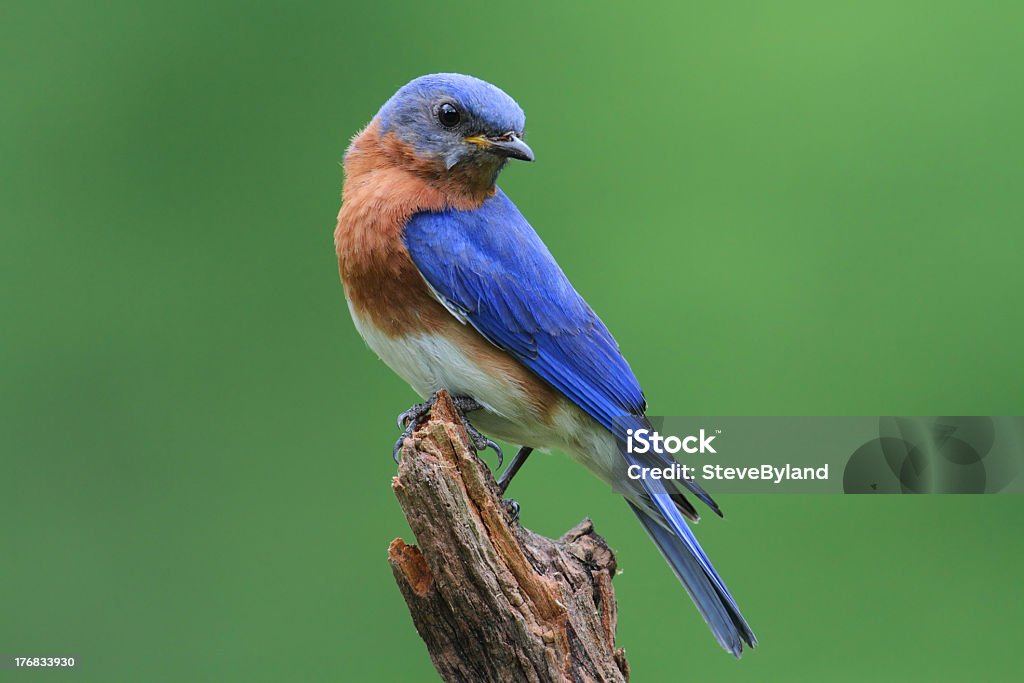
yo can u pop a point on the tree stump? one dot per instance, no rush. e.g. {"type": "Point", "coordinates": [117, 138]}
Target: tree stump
{"type": "Point", "coordinates": [492, 600]}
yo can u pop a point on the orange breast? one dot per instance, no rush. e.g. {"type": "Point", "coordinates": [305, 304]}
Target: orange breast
{"type": "Point", "coordinates": [382, 191]}
{"type": "Point", "coordinates": [385, 185]}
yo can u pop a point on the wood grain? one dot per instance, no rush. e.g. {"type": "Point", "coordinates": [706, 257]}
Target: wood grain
{"type": "Point", "coordinates": [492, 600]}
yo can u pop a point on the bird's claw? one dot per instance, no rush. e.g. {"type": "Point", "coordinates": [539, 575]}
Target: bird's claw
{"type": "Point", "coordinates": [415, 413]}
{"type": "Point", "coordinates": [410, 419]}
{"type": "Point", "coordinates": [481, 442]}
{"type": "Point", "coordinates": [511, 506]}
{"type": "Point", "coordinates": [397, 449]}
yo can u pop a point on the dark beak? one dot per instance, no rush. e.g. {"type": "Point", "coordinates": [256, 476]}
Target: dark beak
{"type": "Point", "coordinates": [508, 145]}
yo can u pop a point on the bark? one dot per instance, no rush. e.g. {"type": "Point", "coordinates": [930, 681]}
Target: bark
{"type": "Point", "coordinates": [492, 600]}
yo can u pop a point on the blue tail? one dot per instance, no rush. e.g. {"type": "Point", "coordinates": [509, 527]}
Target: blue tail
{"type": "Point", "coordinates": [680, 549]}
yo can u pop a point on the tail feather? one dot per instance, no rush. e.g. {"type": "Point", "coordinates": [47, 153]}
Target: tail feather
{"type": "Point", "coordinates": [685, 506]}
{"type": "Point", "coordinates": [680, 548]}
{"type": "Point", "coordinates": [716, 606]}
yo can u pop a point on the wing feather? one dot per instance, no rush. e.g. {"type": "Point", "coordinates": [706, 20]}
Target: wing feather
{"type": "Point", "coordinates": [489, 267]}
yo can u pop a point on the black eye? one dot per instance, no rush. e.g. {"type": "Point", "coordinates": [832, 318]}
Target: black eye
{"type": "Point", "coordinates": [448, 115]}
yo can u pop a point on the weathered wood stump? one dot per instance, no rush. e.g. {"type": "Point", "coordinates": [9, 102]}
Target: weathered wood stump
{"type": "Point", "coordinates": [492, 600]}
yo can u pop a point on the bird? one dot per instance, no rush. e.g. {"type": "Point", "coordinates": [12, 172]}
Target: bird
{"type": "Point", "coordinates": [451, 287]}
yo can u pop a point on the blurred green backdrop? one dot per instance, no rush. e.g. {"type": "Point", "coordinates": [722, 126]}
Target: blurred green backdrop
{"type": "Point", "coordinates": [778, 208]}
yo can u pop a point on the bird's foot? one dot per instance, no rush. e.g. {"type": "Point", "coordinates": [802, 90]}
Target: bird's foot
{"type": "Point", "coordinates": [465, 404]}
{"type": "Point", "coordinates": [409, 420]}
{"type": "Point", "coordinates": [511, 506]}
{"type": "Point", "coordinates": [416, 413]}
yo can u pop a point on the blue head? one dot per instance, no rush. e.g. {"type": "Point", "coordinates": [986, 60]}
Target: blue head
{"type": "Point", "coordinates": [457, 121]}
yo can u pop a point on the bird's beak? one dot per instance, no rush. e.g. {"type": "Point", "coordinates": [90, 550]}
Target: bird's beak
{"type": "Point", "coordinates": [508, 145]}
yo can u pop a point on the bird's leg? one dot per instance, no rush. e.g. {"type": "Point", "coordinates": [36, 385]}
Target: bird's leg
{"type": "Point", "coordinates": [506, 477]}
{"type": "Point", "coordinates": [411, 419]}
{"type": "Point", "coordinates": [512, 505]}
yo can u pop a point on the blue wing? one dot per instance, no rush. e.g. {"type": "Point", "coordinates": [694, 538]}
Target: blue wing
{"type": "Point", "coordinates": [492, 269]}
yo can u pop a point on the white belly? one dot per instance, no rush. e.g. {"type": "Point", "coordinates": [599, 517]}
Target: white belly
{"type": "Point", "coordinates": [430, 363]}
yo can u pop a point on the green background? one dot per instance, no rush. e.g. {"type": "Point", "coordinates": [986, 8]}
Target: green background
{"type": "Point", "coordinates": [778, 208]}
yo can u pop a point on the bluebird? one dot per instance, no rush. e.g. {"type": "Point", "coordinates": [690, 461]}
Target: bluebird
{"type": "Point", "coordinates": [450, 286]}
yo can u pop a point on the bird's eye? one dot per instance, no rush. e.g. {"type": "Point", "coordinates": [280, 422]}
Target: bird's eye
{"type": "Point", "coordinates": [448, 115]}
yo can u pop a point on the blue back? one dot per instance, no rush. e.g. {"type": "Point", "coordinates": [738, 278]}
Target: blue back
{"type": "Point", "coordinates": [491, 267]}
